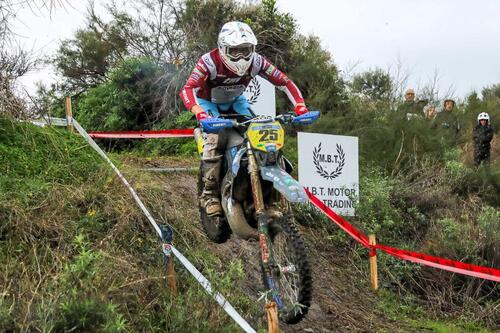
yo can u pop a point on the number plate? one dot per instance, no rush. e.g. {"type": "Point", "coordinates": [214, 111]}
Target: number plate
{"type": "Point", "coordinates": [266, 137]}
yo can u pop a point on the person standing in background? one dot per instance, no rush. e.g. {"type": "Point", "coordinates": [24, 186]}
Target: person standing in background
{"type": "Point", "coordinates": [482, 136]}
{"type": "Point", "coordinates": [408, 106]}
{"type": "Point", "coordinates": [430, 112]}
{"type": "Point", "coordinates": [447, 121]}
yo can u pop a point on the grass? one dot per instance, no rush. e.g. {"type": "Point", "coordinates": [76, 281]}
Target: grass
{"type": "Point", "coordinates": [77, 255]}
{"type": "Point", "coordinates": [407, 310]}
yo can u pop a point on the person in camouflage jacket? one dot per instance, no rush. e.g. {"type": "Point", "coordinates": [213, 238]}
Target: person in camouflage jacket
{"type": "Point", "coordinates": [447, 121]}
{"type": "Point", "coordinates": [409, 107]}
{"type": "Point", "coordinates": [482, 136]}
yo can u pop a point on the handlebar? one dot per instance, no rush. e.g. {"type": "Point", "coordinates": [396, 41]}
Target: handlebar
{"type": "Point", "coordinates": [214, 125]}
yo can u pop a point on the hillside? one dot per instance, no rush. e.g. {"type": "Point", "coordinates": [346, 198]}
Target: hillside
{"type": "Point", "coordinates": [77, 255]}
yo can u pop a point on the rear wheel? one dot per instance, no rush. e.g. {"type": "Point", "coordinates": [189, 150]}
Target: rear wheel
{"type": "Point", "coordinates": [290, 272]}
{"type": "Point", "coordinates": [216, 227]}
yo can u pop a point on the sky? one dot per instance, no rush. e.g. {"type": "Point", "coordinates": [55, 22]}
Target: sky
{"type": "Point", "coordinates": [458, 39]}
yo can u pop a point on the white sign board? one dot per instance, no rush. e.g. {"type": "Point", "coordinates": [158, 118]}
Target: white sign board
{"type": "Point", "coordinates": [328, 167]}
{"type": "Point", "coordinates": [261, 96]}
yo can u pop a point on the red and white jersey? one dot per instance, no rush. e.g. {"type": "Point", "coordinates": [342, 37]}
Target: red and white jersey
{"type": "Point", "coordinates": [213, 81]}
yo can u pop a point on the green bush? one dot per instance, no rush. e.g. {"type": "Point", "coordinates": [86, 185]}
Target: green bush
{"type": "Point", "coordinates": [383, 211]}
{"type": "Point", "coordinates": [121, 102]}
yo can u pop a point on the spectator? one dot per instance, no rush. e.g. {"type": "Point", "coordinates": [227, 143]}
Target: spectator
{"type": "Point", "coordinates": [411, 108]}
{"type": "Point", "coordinates": [409, 103]}
{"type": "Point", "coordinates": [430, 112]}
{"type": "Point", "coordinates": [482, 136]}
{"type": "Point", "coordinates": [447, 121]}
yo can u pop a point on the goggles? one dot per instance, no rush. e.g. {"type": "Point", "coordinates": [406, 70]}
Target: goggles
{"type": "Point", "coordinates": [240, 52]}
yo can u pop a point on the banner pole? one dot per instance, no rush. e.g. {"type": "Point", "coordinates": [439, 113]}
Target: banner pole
{"type": "Point", "coordinates": [69, 113]}
{"type": "Point", "coordinates": [373, 262]}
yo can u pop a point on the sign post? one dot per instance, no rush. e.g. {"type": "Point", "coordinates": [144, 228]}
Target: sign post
{"type": "Point", "coordinates": [328, 167]}
{"type": "Point", "coordinates": [69, 113]}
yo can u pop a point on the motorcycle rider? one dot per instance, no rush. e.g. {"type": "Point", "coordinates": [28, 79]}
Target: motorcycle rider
{"type": "Point", "coordinates": [216, 86]}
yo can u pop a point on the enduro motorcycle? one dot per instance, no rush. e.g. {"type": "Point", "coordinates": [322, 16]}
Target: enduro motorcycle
{"type": "Point", "coordinates": [256, 192]}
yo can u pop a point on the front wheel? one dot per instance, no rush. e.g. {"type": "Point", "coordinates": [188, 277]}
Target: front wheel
{"type": "Point", "coordinates": [290, 282]}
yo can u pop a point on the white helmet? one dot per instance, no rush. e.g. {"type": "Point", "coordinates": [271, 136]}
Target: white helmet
{"type": "Point", "coordinates": [483, 115]}
{"type": "Point", "coordinates": [237, 46]}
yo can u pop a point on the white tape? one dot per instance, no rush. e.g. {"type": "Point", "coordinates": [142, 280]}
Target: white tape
{"type": "Point", "coordinates": [217, 296]}
{"type": "Point", "coordinates": [189, 266]}
{"type": "Point", "coordinates": [51, 121]}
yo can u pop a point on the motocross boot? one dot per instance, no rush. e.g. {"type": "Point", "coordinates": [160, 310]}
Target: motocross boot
{"type": "Point", "coordinates": [210, 197]}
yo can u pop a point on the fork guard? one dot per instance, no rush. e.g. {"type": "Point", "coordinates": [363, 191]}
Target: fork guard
{"type": "Point", "coordinates": [284, 183]}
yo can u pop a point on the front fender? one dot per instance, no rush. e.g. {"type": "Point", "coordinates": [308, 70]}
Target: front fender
{"type": "Point", "coordinates": [284, 183]}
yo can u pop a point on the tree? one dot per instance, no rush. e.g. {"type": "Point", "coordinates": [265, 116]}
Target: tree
{"type": "Point", "coordinates": [173, 35]}
{"type": "Point", "coordinates": [491, 92]}
{"type": "Point", "coordinates": [123, 101]}
{"type": "Point", "coordinates": [312, 68]}
{"type": "Point", "coordinates": [151, 30]}
{"type": "Point", "coordinates": [201, 21]}
{"type": "Point", "coordinates": [85, 60]}
{"type": "Point", "coordinates": [373, 84]}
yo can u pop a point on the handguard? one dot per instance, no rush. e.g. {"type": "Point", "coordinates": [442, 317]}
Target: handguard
{"type": "Point", "coordinates": [214, 125]}
{"type": "Point", "coordinates": [307, 118]}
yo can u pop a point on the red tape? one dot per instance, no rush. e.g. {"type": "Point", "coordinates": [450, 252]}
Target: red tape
{"type": "Point", "coordinates": [442, 263]}
{"type": "Point", "coordinates": [346, 226]}
{"type": "Point", "coordinates": [173, 133]}
{"type": "Point", "coordinates": [483, 272]}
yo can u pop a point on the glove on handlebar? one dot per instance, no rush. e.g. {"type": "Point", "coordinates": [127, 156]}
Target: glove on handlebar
{"type": "Point", "coordinates": [300, 110]}
{"type": "Point", "coordinates": [202, 115]}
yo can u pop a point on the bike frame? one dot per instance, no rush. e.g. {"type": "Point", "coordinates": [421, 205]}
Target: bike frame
{"type": "Point", "coordinates": [266, 249]}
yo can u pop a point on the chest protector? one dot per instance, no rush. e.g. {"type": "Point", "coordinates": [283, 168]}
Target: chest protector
{"type": "Point", "coordinates": [224, 85]}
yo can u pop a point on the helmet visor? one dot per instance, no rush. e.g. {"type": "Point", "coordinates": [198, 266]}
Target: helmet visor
{"type": "Point", "coordinates": [240, 52]}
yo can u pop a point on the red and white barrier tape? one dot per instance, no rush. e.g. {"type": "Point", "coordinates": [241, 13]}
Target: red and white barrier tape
{"type": "Point", "coordinates": [153, 134]}
{"type": "Point", "coordinates": [483, 272]}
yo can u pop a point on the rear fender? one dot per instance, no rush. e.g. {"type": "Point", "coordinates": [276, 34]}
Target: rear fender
{"type": "Point", "coordinates": [284, 183]}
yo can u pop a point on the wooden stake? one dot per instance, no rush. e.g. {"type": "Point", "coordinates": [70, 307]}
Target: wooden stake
{"type": "Point", "coordinates": [171, 279]}
{"type": "Point", "coordinates": [373, 263]}
{"type": "Point", "coordinates": [69, 113]}
{"type": "Point", "coordinates": [272, 318]}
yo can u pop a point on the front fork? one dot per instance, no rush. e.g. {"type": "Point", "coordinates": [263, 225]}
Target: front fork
{"type": "Point", "coordinates": [263, 224]}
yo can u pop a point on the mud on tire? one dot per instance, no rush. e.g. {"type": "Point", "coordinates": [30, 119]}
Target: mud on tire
{"type": "Point", "coordinates": [216, 228]}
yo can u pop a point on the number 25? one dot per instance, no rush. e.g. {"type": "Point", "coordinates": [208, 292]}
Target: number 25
{"type": "Point", "coordinates": [268, 135]}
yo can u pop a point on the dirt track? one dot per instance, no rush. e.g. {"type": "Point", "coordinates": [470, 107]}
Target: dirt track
{"type": "Point", "coordinates": [342, 299]}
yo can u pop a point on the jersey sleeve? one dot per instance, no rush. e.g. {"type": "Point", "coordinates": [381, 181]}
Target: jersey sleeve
{"type": "Point", "coordinates": [280, 80]}
{"type": "Point", "coordinates": [194, 82]}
